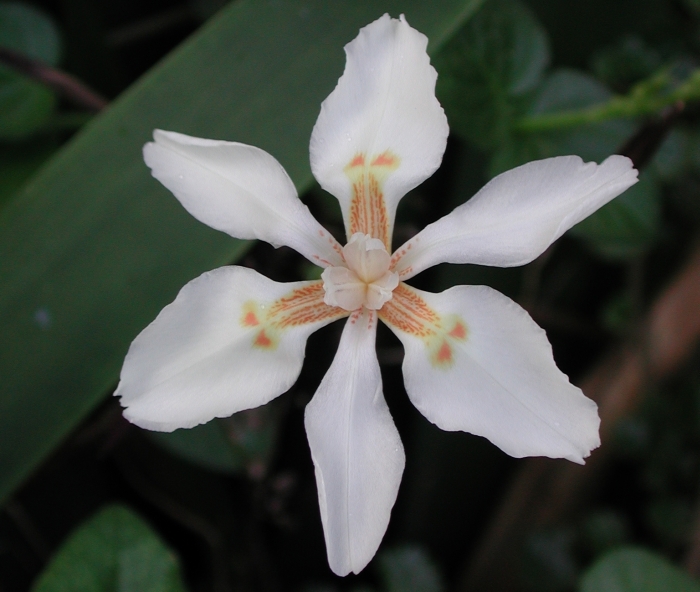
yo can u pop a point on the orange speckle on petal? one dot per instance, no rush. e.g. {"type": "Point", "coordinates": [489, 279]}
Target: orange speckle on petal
{"type": "Point", "coordinates": [262, 340]}
{"type": "Point", "coordinates": [301, 306]}
{"type": "Point", "coordinates": [384, 159]}
{"type": "Point", "coordinates": [459, 331]}
{"type": "Point", "coordinates": [444, 354]}
{"type": "Point", "coordinates": [441, 334]}
{"type": "Point", "coordinates": [368, 211]}
{"type": "Point", "coordinates": [359, 160]}
{"type": "Point", "coordinates": [250, 320]}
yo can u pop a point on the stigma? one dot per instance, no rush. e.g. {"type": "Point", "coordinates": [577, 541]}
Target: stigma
{"type": "Point", "coordinates": [365, 280]}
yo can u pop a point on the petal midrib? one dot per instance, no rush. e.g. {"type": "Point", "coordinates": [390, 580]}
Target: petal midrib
{"type": "Point", "coordinates": [487, 228]}
{"type": "Point", "coordinates": [268, 208]}
{"type": "Point", "coordinates": [513, 396]}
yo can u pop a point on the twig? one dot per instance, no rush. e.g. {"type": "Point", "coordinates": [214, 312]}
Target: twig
{"type": "Point", "coordinates": [643, 145]}
{"type": "Point", "coordinates": [544, 490]}
{"type": "Point", "coordinates": [152, 25]}
{"type": "Point", "coordinates": [64, 84]}
{"type": "Point", "coordinates": [28, 529]}
{"type": "Point", "coordinates": [532, 278]}
{"type": "Point", "coordinates": [648, 97]}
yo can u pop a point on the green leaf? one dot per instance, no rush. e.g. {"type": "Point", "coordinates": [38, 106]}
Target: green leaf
{"type": "Point", "coordinates": [674, 155]}
{"type": "Point", "coordinates": [563, 90]}
{"type": "Point", "coordinates": [566, 89]}
{"type": "Point", "coordinates": [25, 105]}
{"type": "Point", "coordinates": [671, 520]}
{"type": "Point", "coordinates": [205, 445]}
{"type": "Point", "coordinates": [619, 314]}
{"type": "Point", "coordinates": [19, 162]}
{"type": "Point", "coordinates": [92, 248]}
{"type": "Point", "coordinates": [488, 68]}
{"type": "Point", "coordinates": [29, 31]}
{"type": "Point", "coordinates": [205, 9]}
{"type": "Point", "coordinates": [409, 569]}
{"type": "Point", "coordinates": [636, 570]}
{"type": "Point", "coordinates": [627, 62]}
{"type": "Point", "coordinates": [548, 562]}
{"type": "Point", "coordinates": [603, 530]}
{"type": "Point", "coordinates": [628, 225]}
{"type": "Point", "coordinates": [243, 441]}
{"type": "Point", "coordinates": [114, 551]}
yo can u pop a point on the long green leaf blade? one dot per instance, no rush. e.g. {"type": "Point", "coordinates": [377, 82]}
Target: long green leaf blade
{"type": "Point", "coordinates": [94, 247]}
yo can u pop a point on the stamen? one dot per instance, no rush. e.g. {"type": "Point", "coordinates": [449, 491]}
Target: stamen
{"type": "Point", "coordinates": [366, 281]}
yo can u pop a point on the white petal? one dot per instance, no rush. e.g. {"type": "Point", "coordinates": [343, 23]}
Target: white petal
{"type": "Point", "coordinates": [518, 214]}
{"type": "Point", "coordinates": [240, 190]}
{"type": "Point", "coordinates": [384, 101]}
{"type": "Point", "coordinates": [198, 359]}
{"type": "Point", "coordinates": [498, 378]}
{"type": "Point", "coordinates": [356, 450]}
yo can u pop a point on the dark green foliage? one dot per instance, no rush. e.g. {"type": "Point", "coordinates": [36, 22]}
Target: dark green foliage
{"type": "Point", "coordinates": [115, 551]}
{"type": "Point", "coordinates": [636, 570]}
{"type": "Point", "coordinates": [91, 248]}
{"type": "Point", "coordinates": [488, 68]}
{"type": "Point", "coordinates": [25, 105]}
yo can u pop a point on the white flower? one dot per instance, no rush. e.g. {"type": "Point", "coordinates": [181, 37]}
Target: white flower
{"type": "Point", "coordinates": [475, 361]}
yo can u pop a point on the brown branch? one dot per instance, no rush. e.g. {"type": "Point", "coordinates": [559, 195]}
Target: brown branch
{"type": "Point", "coordinates": [152, 25]}
{"type": "Point", "coordinates": [28, 529]}
{"type": "Point", "coordinates": [64, 84]}
{"type": "Point", "coordinates": [642, 146]}
{"type": "Point", "coordinates": [545, 490]}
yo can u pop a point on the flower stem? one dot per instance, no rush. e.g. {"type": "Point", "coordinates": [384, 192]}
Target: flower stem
{"type": "Point", "coordinates": [646, 98]}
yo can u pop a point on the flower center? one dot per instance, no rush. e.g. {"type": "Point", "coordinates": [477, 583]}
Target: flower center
{"type": "Point", "coordinates": [366, 281]}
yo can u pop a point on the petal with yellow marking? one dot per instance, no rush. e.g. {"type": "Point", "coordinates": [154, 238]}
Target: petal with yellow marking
{"type": "Point", "coordinates": [475, 361]}
{"type": "Point", "coordinates": [299, 307]}
{"type": "Point", "coordinates": [518, 214]}
{"type": "Point", "coordinates": [368, 211]}
{"type": "Point", "coordinates": [231, 340]}
{"type": "Point", "coordinates": [408, 312]}
{"type": "Point", "coordinates": [381, 132]}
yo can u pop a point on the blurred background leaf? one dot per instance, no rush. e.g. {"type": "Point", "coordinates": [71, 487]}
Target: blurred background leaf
{"type": "Point", "coordinates": [488, 68]}
{"type": "Point", "coordinates": [409, 569]}
{"type": "Point", "coordinates": [561, 90]}
{"type": "Point", "coordinates": [114, 551]}
{"type": "Point", "coordinates": [205, 445]}
{"type": "Point", "coordinates": [26, 105]}
{"type": "Point", "coordinates": [92, 248]}
{"type": "Point", "coordinates": [627, 226]}
{"type": "Point", "coordinates": [242, 442]}
{"type": "Point", "coordinates": [636, 570]}
{"type": "Point", "coordinates": [29, 31]}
